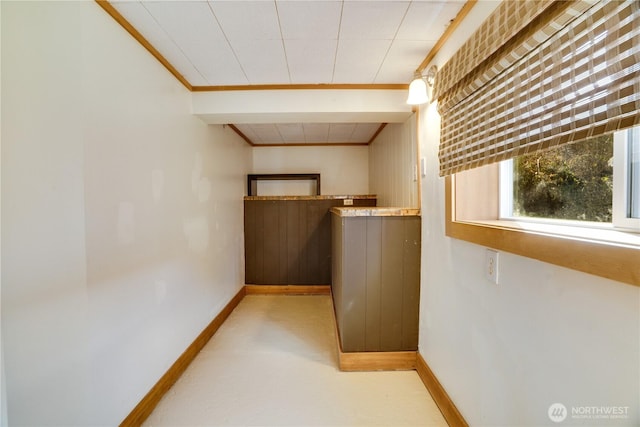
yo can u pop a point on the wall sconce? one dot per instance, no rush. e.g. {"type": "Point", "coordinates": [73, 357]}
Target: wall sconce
{"type": "Point", "coordinates": [419, 87]}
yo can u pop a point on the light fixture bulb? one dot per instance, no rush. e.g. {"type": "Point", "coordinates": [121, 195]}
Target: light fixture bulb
{"type": "Point", "coordinates": [418, 91]}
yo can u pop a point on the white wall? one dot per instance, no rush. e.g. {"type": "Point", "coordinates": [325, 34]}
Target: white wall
{"type": "Point", "coordinates": [121, 216]}
{"type": "Point", "coordinates": [343, 169]}
{"type": "Point", "coordinates": [392, 158]}
{"type": "Point", "coordinates": [544, 335]}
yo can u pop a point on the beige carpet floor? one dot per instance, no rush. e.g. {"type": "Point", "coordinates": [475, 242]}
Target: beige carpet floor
{"type": "Point", "coordinates": [274, 363]}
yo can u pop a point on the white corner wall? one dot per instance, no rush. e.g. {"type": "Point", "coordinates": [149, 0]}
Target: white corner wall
{"type": "Point", "coordinates": [544, 335]}
{"type": "Point", "coordinates": [343, 169]}
{"type": "Point", "coordinates": [392, 159]}
{"type": "Point", "coordinates": [121, 216]}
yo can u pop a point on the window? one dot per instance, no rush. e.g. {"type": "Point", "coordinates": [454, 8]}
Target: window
{"type": "Point", "coordinates": [626, 195]}
{"type": "Point", "coordinates": [589, 183]}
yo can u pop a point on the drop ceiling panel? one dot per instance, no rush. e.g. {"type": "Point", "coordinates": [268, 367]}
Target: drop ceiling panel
{"type": "Point", "coordinates": [402, 54]}
{"type": "Point", "coordinates": [268, 133]}
{"type": "Point", "coordinates": [316, 132]}
{"type": "Point", "coordinates": [291, 132]}
{"type": "Point", "coordinates": [341, 132]}
{"type": "Point", "coordinates": [201, 39]}
{"type": "Point", "coordinates": [364, 131]}
{"type": "Point", "coordinates": [263, 61]}
{"type": "Point", "coordinates": [310, 61]}
{"type": "Point", "coordinates": [372, 19]}
{"type": "Point", "coordinates": [359, 60]}
{"type": "Point", "coordinates": [319, 20]}
{"type": "Point", "coordinates": [247, 20]}
{"type": "Point", "coordinates": [157, 36]}
{"type": "Point", "coordinates": [426, 20]}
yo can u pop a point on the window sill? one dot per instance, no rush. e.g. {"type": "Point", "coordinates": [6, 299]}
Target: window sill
{"type": "Point", "coordinates": [603, 252]}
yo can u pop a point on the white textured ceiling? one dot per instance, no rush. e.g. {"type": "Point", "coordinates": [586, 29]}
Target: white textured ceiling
{"type": "Point", "coordinates": [242, 42]}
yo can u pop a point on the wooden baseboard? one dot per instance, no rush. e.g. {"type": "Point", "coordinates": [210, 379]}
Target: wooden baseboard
{"type": "Point", "coordinates": [377, 361]}
{"type": "Point", "coordinates": [151, 399]}
{"type": "Point", "coordinates": [288, 289]}
{"type": "Point", "coordinates": [449, 411]}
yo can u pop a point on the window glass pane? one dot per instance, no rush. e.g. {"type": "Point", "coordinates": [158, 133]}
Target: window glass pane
{"type": "Point", "coordinates": [634, 172]}
{"type": "Point", "coordinates": [573, 182]}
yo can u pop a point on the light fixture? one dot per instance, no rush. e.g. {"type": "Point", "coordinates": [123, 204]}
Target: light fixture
{"type": "Point", "coordinates": [419, 88]}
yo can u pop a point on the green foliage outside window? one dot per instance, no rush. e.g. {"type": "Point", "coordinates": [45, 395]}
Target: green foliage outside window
{"type": "Point", "coordinates": [572, 182]}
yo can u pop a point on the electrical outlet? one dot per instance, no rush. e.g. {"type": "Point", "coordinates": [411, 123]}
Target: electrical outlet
{"type": "Point", "coordinates": [491, 266]}
{"type": "Point", "coordinates": [347, 202]}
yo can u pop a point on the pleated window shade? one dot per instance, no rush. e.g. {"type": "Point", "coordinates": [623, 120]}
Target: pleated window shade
{"type": "Point", "coordinates": [570, 72]}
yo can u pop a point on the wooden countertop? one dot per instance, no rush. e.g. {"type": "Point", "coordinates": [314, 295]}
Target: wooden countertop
{"type": "Point", "coordinates": [326, 197]}
{"type": "Point", "coordinates": [374, 211]}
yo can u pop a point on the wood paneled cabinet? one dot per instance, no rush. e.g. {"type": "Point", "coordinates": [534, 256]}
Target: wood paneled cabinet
{"type": "Point", "coordinates": [376, 280]}
{"type": "Point", "coordinates": [288, 239]}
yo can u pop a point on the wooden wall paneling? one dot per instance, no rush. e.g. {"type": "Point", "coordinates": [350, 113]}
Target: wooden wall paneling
{"type": "Point", "coordinates": [294, 248]}
{"type": "Point", "coordinates": [281, 256]}
{"type": "Point", "coordinates": [303, 256]}
{"type": "Point", "coordinates": [373, 249]}
{"type": "Point", "coordinates": [250, 233]}
{"type": "Point", "coordinates": [260, 241]}
{"type": "Point", "coordinates": [314, 220]}
{"type": "Point", "coordinates": [324, 243]}
{"type": "Point", "coordinates": [354, 290]}
{"type": "Point", "coordinates": [411, 283]}
{"type": "Point", "coordinates": [337, 245]}
{"type": "Point", "coordinates": [391, 284]}
{"type": "Point", "coordinates": [271, 242]}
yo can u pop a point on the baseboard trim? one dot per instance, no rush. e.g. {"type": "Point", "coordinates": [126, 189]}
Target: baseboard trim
{"type": "Point", "coordinates": [143, 409]}
{"type": "Point", "coordinates": [377, 361]}
{"type": "Point", "coordinates": [288, 289]}
{"type": "Point", "coordinates": [449, 410]}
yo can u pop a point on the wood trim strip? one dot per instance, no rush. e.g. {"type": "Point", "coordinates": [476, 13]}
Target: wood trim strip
{"type": "Point", "coordinates": [377, 361]}
{"type": "Point", "coordinates": [449, 410]}
{"type": "Point", "coordinates": [242, 135]}
{"type": "Point", "coordinates": [375, 135]}
{"type": "Point", "coordinates": [447, 33]}
{"type": "Point", "coordinates": [143, 409]}
{"type": "Point", "coordinates": [104, 4]}
{"type": "Point", "coordinates": [615, 262]}
{"type": "Point", "coordinates": [315, 144]}
{"type": "Point", "coordinates": [287, 289]}
{"type": "Point", "coordinates": [324, 86]}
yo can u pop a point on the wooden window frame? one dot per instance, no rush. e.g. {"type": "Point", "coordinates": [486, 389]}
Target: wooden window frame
{"type": "Point", "coordinates": [605, 259]}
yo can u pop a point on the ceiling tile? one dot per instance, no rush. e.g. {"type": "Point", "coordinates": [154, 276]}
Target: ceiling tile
{"type": "Point", "coordinates": [372, 19]}
{"type": "Point", "coordinates": [263, 61]}
{"type": "Point", "coordinates": [403, 57]}
{"type": "Point", "coordinates": [364, 131]}
{"type": "Point", "coordinates": [291, 132]}
{"type": "Point", "coordinates": [427, 20]}
{"type": "Point", "coordinates": [316, 132]}
{"type": "Point", "coordinates": [194, 28]}
{"type": "Point", "coordinates": [341, 132]}
{"type": "Point", "coordinates": [247, 130]}
{"type": "Point", "coordinates": [358, 61]}
{"type": "Point", "coordinates": [146, 25]}
{"type": "Point", "coordinates": [316, 20]}
{"type": "Point", "coordinates": [267, 133]}
{"type": "Point", "coordinates": [186, 21]}
{"type": "Point", "coordinates": [247, 20]}
{"type": "Point", "coordinates": [310, 61]}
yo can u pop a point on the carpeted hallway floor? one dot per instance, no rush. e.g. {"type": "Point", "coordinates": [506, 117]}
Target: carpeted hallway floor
{"type": "Point", "coordinates": [274, 363]}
